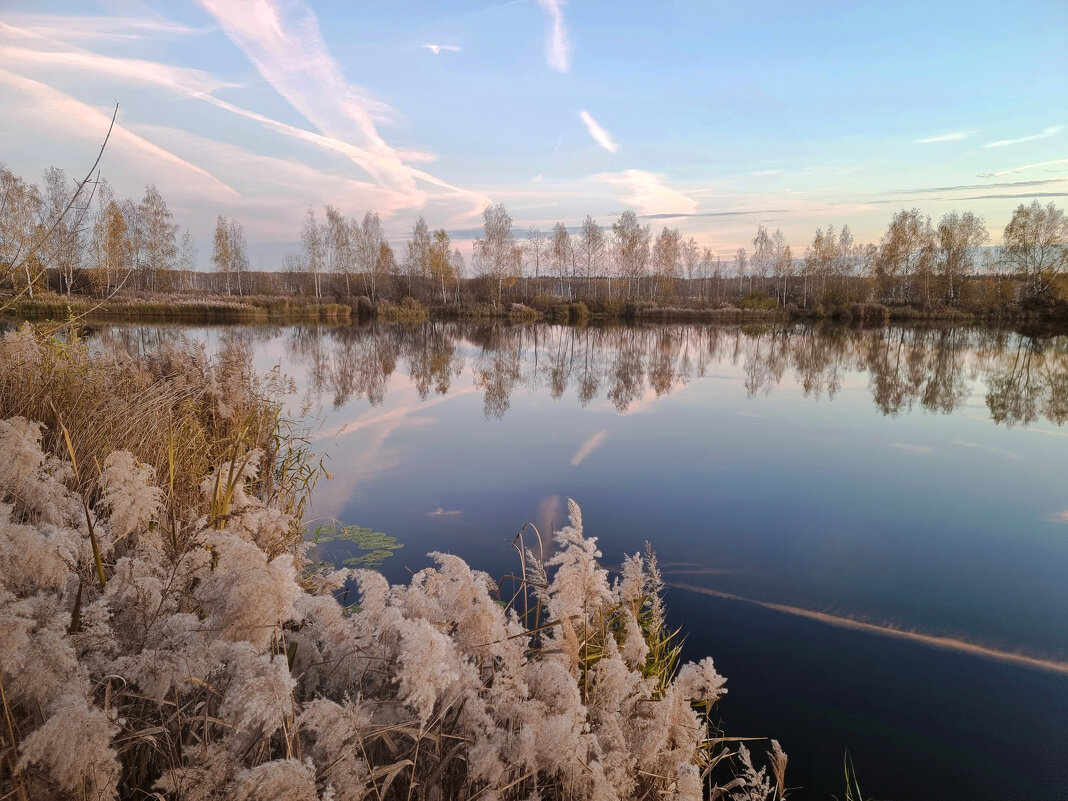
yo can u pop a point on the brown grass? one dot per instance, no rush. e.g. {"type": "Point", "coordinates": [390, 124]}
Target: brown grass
{"type": "Point", "coordinates": [178, 410]}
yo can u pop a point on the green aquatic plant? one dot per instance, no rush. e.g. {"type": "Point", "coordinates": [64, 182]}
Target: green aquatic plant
{"type": "Point", "coordinates": [377, 545]}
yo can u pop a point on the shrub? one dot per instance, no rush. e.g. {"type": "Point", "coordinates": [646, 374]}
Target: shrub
{"type": "Point", "coordinates": [408, 309]}
{"type": "Point", "coordinates": [578, 313]}
{"type": "Point", "coordinates": [519, 311]}
{"type": "Point", "coordinates": [364, 307]}
{"type": "Point", "coordinates": [759, 300]}
{"type": "Point", "coordinates": [870, 313]}
{"type": "Point", "coordinates": [558, 313]}
{"type": "Point", "coordinates": [606, 307]}
{"type": "Point", "coordinates": [334, 311]}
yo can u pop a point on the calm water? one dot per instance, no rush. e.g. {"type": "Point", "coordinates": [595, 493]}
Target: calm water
{"type": "Point", "coordinates": [794, 481]}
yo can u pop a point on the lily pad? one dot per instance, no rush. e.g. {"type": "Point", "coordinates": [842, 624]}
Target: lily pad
{"type": "Point", "coordinates": [378, 545]}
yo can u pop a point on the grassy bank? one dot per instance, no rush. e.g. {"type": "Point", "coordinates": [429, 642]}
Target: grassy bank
{"type": "Point", "coordinates": [192, 309]}
{"type": "Point", "coordinates": [184, 308]}
{"type": "Point", "coordinates": [755, 307]}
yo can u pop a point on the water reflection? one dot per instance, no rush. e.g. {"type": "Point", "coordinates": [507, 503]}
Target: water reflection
{"type": "Point", "coordinates": [1022, 378]}
{"type": "Point", "coordinates": [849, 504]}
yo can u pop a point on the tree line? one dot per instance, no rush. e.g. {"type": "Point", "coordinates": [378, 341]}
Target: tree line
{"type": "Point", "coordinates": [86, 239]}
{"type": "Point", "coordinates": [79, 237]}
{"type": "Point", "coordinates": [916, 262]}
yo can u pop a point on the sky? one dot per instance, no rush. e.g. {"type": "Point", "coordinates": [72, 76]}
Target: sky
{"type": "Point", "coordinates": [707, 116]}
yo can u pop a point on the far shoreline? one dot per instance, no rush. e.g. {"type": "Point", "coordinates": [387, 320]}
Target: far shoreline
{"type": "Point", "coordinates": [187, 307]}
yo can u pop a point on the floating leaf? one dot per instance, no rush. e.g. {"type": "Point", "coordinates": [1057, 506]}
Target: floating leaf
{"type": "Point", "coordinates": [370, 561]}
{"type": "Point", "coordinates": [370, 540]}
{"type": "Point", "coordinates": [379, 545]}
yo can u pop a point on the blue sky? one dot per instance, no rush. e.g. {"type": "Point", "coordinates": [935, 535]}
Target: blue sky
{"type": "Point", "coordinates": [714, 117]}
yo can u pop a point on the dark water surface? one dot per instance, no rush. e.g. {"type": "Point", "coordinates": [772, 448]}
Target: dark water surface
{"type": "Point", "coordinates": [867, 529]}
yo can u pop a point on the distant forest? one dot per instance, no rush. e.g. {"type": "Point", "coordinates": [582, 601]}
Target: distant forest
{"type": "Point", "coordinates": [75, 237]}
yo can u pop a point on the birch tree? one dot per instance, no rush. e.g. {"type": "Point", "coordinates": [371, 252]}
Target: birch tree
{"type": "Point", "coordinates": [1036, 247]}
{"type": "Point", "coordinates": [61, 249]}
{"type": "Point", "coordinates": [220, 251]}
{"type": "Point", "coordinates": [135, 235]}
{"type": "Point", "coordinates": [441, 266]}
{"type": "Point", "coordinates": [238, 253]}
{"type": "Point", "coordinates": [338, 246]}
{"type": "Point", "coordinates": [905, 255]}
{"type": "Point", "coordinates": [311, 239]}
{"type": "Point", "coordinates": [562, 255]}
{"type": "Point", "coordinates": [740, 260]}
{"type": "Point", "coordinates": [591, 248]}
{"type": "Point", "coordinates": [496, 254]}
{"type": "Point", "coordinates": [708, 262]}
{"type": "Point", "coordinates": [631, 244]}
{"type": "Point", "coordinates": [20, 203]}
{"type": "Point", "coordinates": [385, 264]}
{"type": "Point", "coordinates": [109, 245]}
{"type": "Point", "coordinates": [417, 262]}
{"type": "Point", "coordinates": [187, 255]}
{"type": "Point", "coordinates": [158, 234]}
{"type": "Point", "coordinates": [763, 255]}
{"type": "Point", "coordinates": [691, 262]}
{"type": "Point", "coordinates": [535, 251]}
{"type": "Point", "coordinates": [369, 253]}
{"type": "Point", "coordinates": [784, 263]}
{"type": "Point", "coordinates": [667, 256]}
{"type": "Point", "coordinates": [959, 237]}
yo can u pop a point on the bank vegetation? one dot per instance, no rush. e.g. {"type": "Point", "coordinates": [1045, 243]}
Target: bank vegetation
{"type": "Point", "coordinates": [166, 632]}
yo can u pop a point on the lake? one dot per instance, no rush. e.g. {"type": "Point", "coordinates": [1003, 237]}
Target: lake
{"type": "Point", "coordinates": [867, 529]}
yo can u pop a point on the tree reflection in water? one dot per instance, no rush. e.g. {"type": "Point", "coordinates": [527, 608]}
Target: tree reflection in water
{"type": "Point", "coordinates": [1024, 378]}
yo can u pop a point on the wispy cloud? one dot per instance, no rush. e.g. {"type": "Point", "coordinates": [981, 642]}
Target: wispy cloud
{"type": "Point", "coordinates": [647, 193]}
{"type": "Point", "coordinates": [1046, 132]}
{"type": "Point", "coordinates": [94, 28]}
{"type": "Point", "coordinates": [599, 134]}
{"type": "Point", "coordinates": [1024, 168]}
{"type": "Point", "coordinates": [1014, 196]}
{"type": "Point", "coordinates": [1057, 517]}
{"type": "Point", "coordinates": [268, 182]}
{"type": "Point", "coordinates": [285, 44]}
{"type": "Point", "coordinates": [956, 136]}
{"type": "Point", "coordinates": [50, 108]}
{"type": "Point", "coordinates": [588, 447]}
{"type": "Point", "coordinates": [183, 80]}
{"type": "Point", "coordinates": [557, 45]}
{"type": "Point", "coordinates": [392, 181]}
{"type": "Point", "coordinates": [437, 49]}
{"type": "Point", "coordinates": [963, 187]}
{"type": "Point", "coordinates": [673, 215]}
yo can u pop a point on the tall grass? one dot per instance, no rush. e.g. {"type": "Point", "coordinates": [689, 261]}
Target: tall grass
{"type": "Point", "coordinates": [163, 635]}
{"type": "Point", "coordinates": [186, 308]}
{"type": "Point", "coordinates": [179, 410]}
